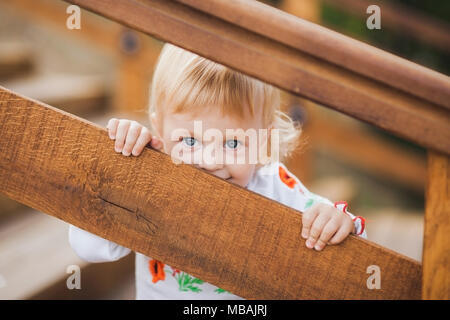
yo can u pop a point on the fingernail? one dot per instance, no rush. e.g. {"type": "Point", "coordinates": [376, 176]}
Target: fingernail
{"type": "Point", "coordinates": [117, 149]}
{"type": "Point", "coordinates": [125, 153]}
{"type": "Point", "coordinates": [318, 247]}
{"type": "Point", "coordinates": [309, 243]}
{"type": "Point", "coordinates": [304, 235]}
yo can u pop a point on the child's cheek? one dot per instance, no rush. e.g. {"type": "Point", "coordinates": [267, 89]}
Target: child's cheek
{"type": "Point", "coordinates": [242, 174]}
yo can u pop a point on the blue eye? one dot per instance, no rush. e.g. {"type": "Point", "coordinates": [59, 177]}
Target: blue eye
{"type": "Point", "coordinates": [189, 141]}
{"type": "Point", "coordinates": [232, 144]}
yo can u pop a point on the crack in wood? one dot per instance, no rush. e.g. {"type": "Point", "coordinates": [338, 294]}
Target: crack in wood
{"type": "Point", "coordinates": [115, 204]}
{"type": "Point", "coordinates": [150, 226]}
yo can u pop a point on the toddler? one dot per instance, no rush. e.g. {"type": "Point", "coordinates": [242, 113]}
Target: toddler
{"type": "Point", "coordinates": [188, 91]}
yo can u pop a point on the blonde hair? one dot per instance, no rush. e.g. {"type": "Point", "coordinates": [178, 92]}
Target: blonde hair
{"type": "Point", "coordinates": [186, 82]}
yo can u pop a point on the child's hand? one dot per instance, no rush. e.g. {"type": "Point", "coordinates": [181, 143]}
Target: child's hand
{"type": "Point", "coordinates": [131, 137]}
{"type": "Point", "coordinates": [324, 224]}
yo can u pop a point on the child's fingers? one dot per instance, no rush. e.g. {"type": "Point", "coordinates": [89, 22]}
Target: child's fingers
{"type": "Point", "coordinates": [316, 229]}
{"type": "Point", "coordinates": [156, 143]}
{"type": "Point", "coordinates": [328, 232]}
{"type": "Point", "coordinates": [133, 133]}
{"type": "Point", "coordinates": [308, 218]}
{"type": "Point", "coordinates": [121, 134]}
{"type": "Point", "coordinates": [112, 127]}
{"type": "Point", "coordinates": [142, 141]}
{"type": "Point", "coordinates": [341, 234]}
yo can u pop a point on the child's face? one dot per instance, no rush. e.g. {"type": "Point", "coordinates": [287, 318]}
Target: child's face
{"type": "Point", "coordinates": [234, 146]}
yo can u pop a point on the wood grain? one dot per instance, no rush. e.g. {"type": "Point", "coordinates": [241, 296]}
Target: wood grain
{"type": "Point", "coordinates": [366, 83]}
{"type": "Point", "coordinates": [236, 239]}
{"type": "Point", "coordinates": [436, 247]}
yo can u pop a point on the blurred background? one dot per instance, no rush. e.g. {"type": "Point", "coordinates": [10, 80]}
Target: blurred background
{"type": "Point", "coordinates": [104, 70]}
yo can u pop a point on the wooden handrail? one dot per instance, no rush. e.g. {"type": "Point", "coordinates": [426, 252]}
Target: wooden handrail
{"type": "Point", "coordinates": [243, 242]}
{"type": "Point", "coordinates": [394, 94]}
{"type": "Point", "coordinates": [330, 46]}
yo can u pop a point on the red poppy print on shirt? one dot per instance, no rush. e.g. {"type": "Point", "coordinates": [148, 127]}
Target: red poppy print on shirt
{"type": "Point", "coordinates": [157, 270]}
{"type": "Point", "coordinates": [286, 178]}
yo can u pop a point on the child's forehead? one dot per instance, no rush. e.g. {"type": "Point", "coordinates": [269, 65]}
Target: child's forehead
{"type": "Point", "coordinates": [211, 119]}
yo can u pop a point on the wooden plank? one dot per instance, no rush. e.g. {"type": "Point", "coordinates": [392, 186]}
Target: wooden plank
{"type": "Point", "coordinates": [369, 84]}
{"type": "Point", "coordinates": [134, 73]}
{"type": "Point", "coordinates": [236, 239]}
{"type": "Point", "coordinates": [436, 248]}
{"type": "Point", "coordinates": [301, 162]}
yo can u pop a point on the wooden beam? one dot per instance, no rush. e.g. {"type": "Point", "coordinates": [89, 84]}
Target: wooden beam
{"type": "Point", "coordinates": [402, 18]}
{"type": "Point", "coordinates": [305, 59]}
{"type": "Point", "coordinates": [436, 247]}
{"type": "Point", "coordinates": [328, 45]}
{"type": "Point", "coordinates": [236, 239]}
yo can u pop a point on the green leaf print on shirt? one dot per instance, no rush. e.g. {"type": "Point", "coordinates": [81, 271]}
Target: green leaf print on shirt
{"type": "Point", "coordinates": [219, 290]}
{"type": "Point", "coordinates": [309, 203]}
{"type": "Point", "coordinates": [188, 283]}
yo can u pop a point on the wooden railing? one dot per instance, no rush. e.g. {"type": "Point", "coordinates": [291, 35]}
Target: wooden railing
{"type": "Point", "coordinates": [63, 165]}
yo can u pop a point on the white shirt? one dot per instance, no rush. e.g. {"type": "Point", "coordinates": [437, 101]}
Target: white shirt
{"type": "Point", "coordinates": [155, 280]}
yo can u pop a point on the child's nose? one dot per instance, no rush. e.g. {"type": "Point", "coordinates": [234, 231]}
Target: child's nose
{"type": "Point", "coordinates": [212, 161]}
{"type": "Point", "coordinates": [211, 165]}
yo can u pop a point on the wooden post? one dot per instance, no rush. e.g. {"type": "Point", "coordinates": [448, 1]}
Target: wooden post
{"type": "Point", "coordinates": [301, 163]}
{"type": "Point", "coordinates": [436, 245]}
{"type": "Point", "coordinates": [138, 54]}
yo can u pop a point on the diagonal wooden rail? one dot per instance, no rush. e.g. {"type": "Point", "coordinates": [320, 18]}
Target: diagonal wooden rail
{"type": "Point", "coordinates": [394, 94]}
{"type": "Point", "coordinates": [236, 239]}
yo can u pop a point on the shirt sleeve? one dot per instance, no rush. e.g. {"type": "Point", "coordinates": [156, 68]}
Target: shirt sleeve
{"type": "Point", "coordinates": [93, 248]}
{"type": "Point", "coordinates": [295, 195]}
